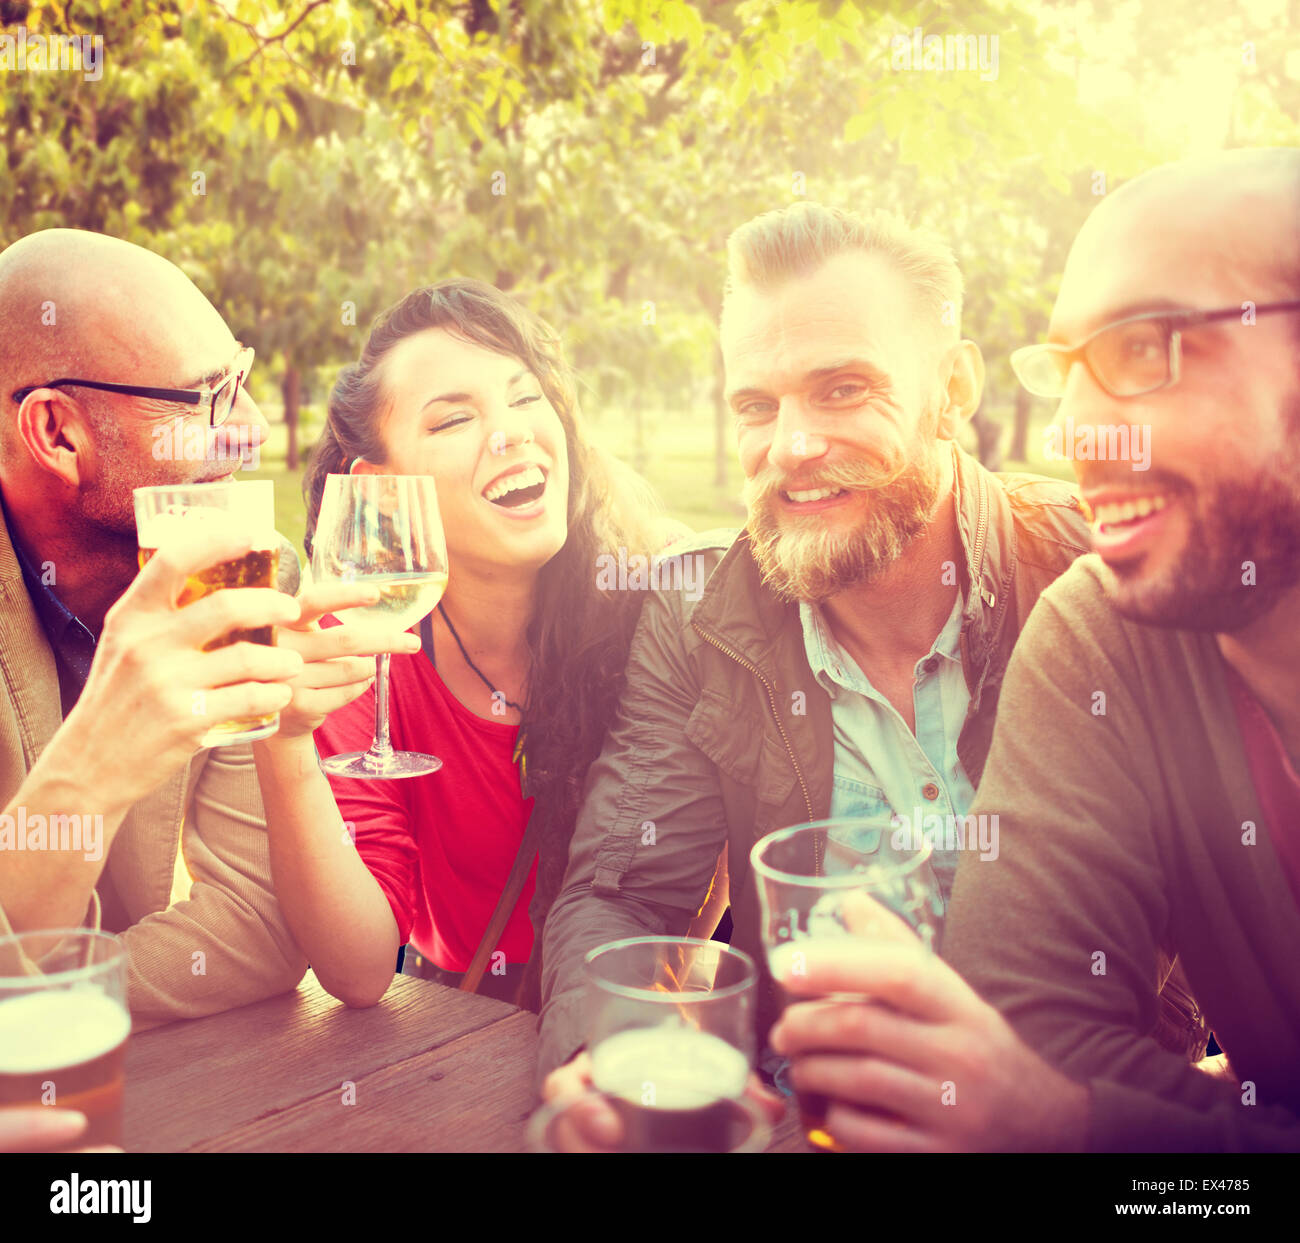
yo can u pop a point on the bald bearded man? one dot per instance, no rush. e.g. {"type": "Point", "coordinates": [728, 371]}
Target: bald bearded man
{"type": "Point", "coordinates": [101, 668]}
{"type": "Point", "coordinates": [1144, 764]}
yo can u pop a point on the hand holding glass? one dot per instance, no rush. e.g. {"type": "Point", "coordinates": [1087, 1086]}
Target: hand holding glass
{"type": "Point", "coordinates": [834, 879]}
{"type": "Point", "coordinates": [670, 1027]}
{"type": "Point", "coordinates": [384, 531]}
{"type": "Point", "coordinates": [169, 513]}
{"type": "Point", "coordinates": [64, 1025]}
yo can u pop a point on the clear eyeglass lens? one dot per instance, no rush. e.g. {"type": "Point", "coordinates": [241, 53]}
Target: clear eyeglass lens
{"type": "Point", "coordinates": [224, 401]}
{"type": "Point", "coordinates": [1132, 358]}
{"type": "Point", "coordinates": [1044, 371]}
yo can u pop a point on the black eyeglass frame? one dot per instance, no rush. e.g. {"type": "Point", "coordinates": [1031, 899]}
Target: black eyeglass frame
{"type": "Point", "coordinates": [1183, 321]}
{"type": "Point", "coordinates": [188, 396]}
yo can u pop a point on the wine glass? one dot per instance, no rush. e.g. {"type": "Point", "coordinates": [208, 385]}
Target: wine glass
{"type": "Point", "coordinates": [385, 531]}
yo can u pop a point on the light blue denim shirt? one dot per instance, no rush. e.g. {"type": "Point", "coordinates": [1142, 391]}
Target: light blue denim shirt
{"type": "Point", "coordinates": [881, 767]}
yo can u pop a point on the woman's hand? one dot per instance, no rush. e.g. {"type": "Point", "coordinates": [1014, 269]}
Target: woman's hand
{"type": "Point", "coordinates": [40, 1128]}
{"type": "Point", "coordinates": [338, 662]}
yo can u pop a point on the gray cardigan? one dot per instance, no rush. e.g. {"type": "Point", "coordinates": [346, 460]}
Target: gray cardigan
{"type": "Point", "coordinates": [1123, 833]}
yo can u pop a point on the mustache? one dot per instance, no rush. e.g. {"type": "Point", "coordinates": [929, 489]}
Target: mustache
{"type": "Point", "coordinates": [853, 474]}
{"type": "Point", "coordinates": [1094, 476]}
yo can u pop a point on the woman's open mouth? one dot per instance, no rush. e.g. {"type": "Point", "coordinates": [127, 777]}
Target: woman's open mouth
{"type": "Point", "coordinates": [518, 491]}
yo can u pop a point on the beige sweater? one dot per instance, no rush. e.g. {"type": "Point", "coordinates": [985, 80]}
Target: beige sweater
{"type": "Point", "coordinates": [1121, 786]}
{"type": "Point", "coordinates": [225, 945]}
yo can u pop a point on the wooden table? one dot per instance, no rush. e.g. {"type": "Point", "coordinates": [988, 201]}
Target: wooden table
{"type": "Point", "coordinates": [429, 1069]}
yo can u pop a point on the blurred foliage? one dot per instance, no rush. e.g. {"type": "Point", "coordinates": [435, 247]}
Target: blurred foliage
{"type": "Point", "coordinates": [309, 163]}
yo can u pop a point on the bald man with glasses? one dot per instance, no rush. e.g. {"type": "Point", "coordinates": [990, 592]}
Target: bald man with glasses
{"type": "Point", "coordinates": [102, 344]}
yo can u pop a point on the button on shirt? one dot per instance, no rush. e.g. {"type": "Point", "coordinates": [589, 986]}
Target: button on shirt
{"type": "Point", "coordinates": [883, 769]}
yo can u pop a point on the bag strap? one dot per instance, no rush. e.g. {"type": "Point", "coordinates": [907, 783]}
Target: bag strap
{"type": "Point", "coordinates": [518, 870]}
{"type": "Point", "coordinates": [505, 905]}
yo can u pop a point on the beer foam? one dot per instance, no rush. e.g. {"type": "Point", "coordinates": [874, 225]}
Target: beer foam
{"type": "Point", "coordinates": [682, 1067]}
{"type": "Point", "coordinates": [52, 1030]}
{"type": "Point", "coordinates": [155, 530]}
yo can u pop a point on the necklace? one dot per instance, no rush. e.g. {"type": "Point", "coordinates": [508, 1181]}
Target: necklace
{"type": "Point", "coordinates": [518, 757]}
{"type": "Point", "coordinates": [472, 665]}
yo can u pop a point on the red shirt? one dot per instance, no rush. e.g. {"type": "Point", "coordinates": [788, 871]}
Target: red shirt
{"type": "Point", "coordinates": [441, 846]}
{"type": "Point", "coordinates": [1276, 784]}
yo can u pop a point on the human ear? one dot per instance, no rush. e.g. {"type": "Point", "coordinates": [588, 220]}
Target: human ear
{"type": "Point", "coordinates": [964, 386]}
{"type": "Point", "coordinates": [57, 435]}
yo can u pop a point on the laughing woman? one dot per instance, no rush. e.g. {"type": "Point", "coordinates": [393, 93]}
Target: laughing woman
{"type": "Point", "coordinates": [513, 682]}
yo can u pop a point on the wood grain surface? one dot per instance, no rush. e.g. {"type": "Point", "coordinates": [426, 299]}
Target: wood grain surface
{"type": "Point", "coordinates": [429, 1069]}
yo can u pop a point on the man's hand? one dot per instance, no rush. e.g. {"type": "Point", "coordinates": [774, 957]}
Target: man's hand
{"type": "Point", "coordinates": [338, 662]}
{"type": "Point", "coordinates": [153, 692]}
{"type": "Point", "coordinates": [595, 1127]}
{"type": "Point", "coordinates": [921, 1064]}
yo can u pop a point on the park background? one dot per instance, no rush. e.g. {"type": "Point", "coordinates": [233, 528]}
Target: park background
{"type": "Point", "coordinates": [307, 163]}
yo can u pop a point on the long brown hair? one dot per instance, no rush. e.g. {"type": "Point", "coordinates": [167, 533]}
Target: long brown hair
{"type": "Point", "coordinates": [578, 635]}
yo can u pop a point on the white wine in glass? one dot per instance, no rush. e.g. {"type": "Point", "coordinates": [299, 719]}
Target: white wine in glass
{"type": "Point", "coordinates": [384, 531]}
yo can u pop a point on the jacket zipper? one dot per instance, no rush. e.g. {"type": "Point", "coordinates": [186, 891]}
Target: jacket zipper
{"type": "Point", "coordinates": [776, 716]}
{"type": "Point", "coordinates": [981, 535]}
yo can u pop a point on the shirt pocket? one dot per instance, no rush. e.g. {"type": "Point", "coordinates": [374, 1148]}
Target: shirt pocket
{"type": "Point", "coordinates": [857, 800]}
{"type": "Point", "coordinates": [917, 905]}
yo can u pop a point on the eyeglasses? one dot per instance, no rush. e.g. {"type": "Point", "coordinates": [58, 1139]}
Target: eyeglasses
{"type": "Point", "coordinates": [221, 399]}
{"type": "Point", "coordinates": [1127, 358]}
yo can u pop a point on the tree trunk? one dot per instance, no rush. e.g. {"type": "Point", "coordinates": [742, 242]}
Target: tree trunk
{"type": "Point", "coordinates": [1020, 432]}
{"type": "Point", "coordinates": [721, 425]}
{"type": "Point", "coordinates": [988, 440]}
{"type": "Point", "coordinates": [290, 388]}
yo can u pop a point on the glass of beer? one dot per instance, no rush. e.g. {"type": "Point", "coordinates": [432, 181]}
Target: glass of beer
{"type": "Point", "coordinates": [833, 879]}
{"type": "Point", "coordinates": [384, 531]}
{"type": "Point", "coordinates": [64, 1024]}
{"type": "Point", "coordinates": [172, 513]}
{"type": "Point", "coordinates": [671, 1034]}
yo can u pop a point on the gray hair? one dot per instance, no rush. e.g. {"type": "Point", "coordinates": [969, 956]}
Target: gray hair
{"type": "Point", "coordinates": [795, 241]}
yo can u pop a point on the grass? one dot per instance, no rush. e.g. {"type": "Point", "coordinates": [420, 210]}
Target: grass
{"type": "Point", "coordinates": [679, 466]}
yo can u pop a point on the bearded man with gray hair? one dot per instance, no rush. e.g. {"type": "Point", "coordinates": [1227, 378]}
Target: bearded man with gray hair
{"type": "Point", "coordinates": [846, 654]}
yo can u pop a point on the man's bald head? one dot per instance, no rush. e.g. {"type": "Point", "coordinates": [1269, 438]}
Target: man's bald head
{"type": "Point", "coordinates": [1205, 231]}
{"type": "Point", "coordinates": [81, 304]}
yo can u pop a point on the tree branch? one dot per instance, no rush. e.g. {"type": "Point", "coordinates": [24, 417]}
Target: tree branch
{"type": "Point", "coordinates": [262, 43]}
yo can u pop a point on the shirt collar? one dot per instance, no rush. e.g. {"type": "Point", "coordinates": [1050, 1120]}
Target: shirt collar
{"type": "Point", "coordinates": [55, 617]}
{"type": "Point", "coordinates": [833, 667]}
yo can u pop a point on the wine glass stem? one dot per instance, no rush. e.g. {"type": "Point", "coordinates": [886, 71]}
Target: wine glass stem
{"type": "Point", "coordinates": [381, 748]}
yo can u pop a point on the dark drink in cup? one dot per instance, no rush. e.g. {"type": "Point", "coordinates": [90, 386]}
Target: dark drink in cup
{"type": "Point", "coordinates": [813, 1106]}
{"type": "Point", "coordinates": [674, 1088]}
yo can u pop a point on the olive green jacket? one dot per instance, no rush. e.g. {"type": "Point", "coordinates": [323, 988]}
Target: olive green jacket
{"type": "Point", "coordinates": [724, 735]}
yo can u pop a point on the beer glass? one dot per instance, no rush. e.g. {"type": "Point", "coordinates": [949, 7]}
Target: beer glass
{"type": "Point", "coordinates": [670, 1029]}
{"type": "Point", "coordinates": [819, 882]}
{"type": "Point", "coordinates": [64, 1024]}
{"type": "Point", "coordinates": [172, 513]}
{"type": "Point", "coordinates": [385, 531]}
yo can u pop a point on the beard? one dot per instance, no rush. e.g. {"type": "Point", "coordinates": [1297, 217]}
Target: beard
{"type": "Point", "coordinates": [806, 558]}
{"type": "Point", "coordinates": [1241, 556]}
